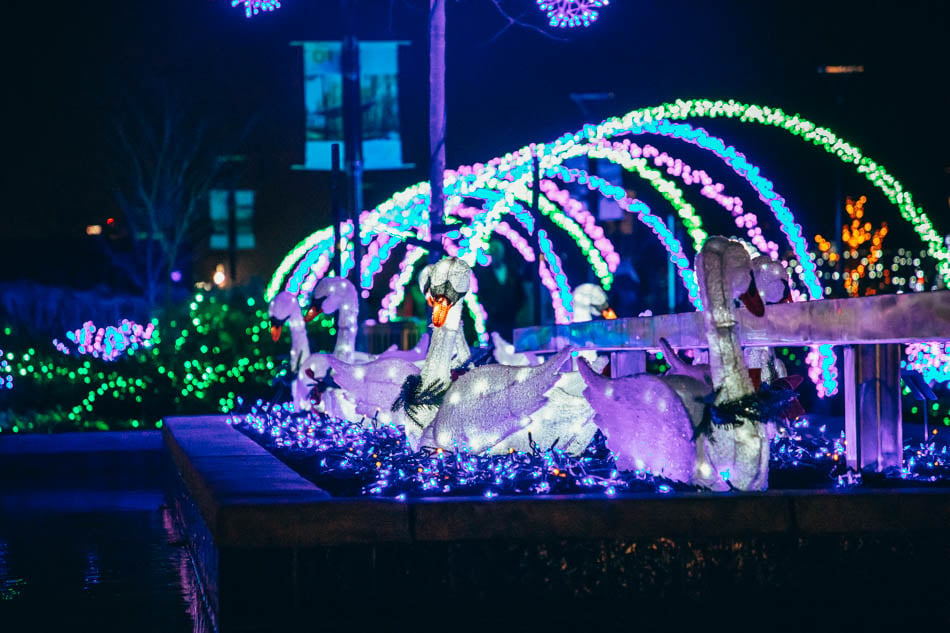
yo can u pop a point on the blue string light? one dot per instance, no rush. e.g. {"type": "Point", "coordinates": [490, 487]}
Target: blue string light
{"type": "Point", "coordinates": [253, 7]}
{"type": "Point", "coordinates": [348, 458]}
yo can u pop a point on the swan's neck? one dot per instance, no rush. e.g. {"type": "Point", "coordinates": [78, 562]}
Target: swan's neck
{"type": "Point", "coordinates": [730, 375]}
{"type": "Point", "coordinates": [582, 312]}
{"type": "Point", "coordinates": [299, 344]}
{"type": "Point", "coordinates": [347, 315]}
{"type": "Point", "coordinates": [443, 345]}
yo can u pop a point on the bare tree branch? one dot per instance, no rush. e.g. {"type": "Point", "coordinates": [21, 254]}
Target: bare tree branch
{"type": "Point", "coordinates": [517, 21]}
{"type": "Point", "coordinates": [165, 168]}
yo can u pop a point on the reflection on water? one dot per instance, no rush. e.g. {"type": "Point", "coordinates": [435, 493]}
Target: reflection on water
{"type": "Point", "coordinates": [85, 557]}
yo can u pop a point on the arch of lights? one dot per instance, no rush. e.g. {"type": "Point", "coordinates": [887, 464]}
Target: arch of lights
{"type": "Point", "coordinates": [683, 109]}
{"type": "Point", "coordinates": [510, 174]}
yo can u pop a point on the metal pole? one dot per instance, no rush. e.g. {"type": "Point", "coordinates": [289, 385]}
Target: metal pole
{"type": "Point", "coordinates": [535, 200]}
{"type": "Point", "coordinates": [353, 140]}
{"type": "Point", "coordinates": [352, 126]}
{"type": "Point", "coordinates": [436, 123]}
{"type": "Point", "coordinates": [336, 208]}
{"type": "Point", "coordinates": [232, 237]}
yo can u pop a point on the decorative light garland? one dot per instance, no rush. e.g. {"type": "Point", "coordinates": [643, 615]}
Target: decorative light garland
{"type": "Point", "coordinates": [110, 342]}
{"type": "Point", "coordinates": [931, 359]}
{"type": "Point", "coordinates": [571, 13]}
{"type": "Point", "coordinates": [552, 264]}
{"type": "Point", "coordinates": [651, 120]}
{"type": "Point", "coordinates": [6, 372]}
{"type": "Point", "coordinates": [350, 458]}
{"type": "Point", "coordinates": [794, 124]}
{"type": "Point", "coordinates": [253, 7]}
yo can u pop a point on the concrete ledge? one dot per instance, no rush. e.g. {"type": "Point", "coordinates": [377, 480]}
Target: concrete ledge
{"type": "Point", "coordinates": [259, 534]}
{"type": "Point", "coordinates": [249, 498]}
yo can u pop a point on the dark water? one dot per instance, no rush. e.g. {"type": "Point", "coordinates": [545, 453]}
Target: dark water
{"type": "Point", "coordinates": [87, 545]}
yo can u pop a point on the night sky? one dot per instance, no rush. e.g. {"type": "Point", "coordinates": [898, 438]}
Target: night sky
{"type": "Point", "coordinates": [72, 69]}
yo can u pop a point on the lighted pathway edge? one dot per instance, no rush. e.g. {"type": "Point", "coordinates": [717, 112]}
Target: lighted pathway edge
{"type": "Point", "coordinates": [249, 498]}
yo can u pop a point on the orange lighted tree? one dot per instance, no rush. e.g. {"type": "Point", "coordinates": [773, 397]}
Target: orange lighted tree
{"type": "Point", "coordinates": [862, 247]}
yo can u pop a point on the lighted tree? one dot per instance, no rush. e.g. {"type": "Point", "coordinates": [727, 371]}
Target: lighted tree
{"type": "Point", "coordinates": [862, 247]}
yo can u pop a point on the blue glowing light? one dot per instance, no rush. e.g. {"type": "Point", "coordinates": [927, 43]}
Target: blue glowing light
{"type": "Point", "coordinates": [253, 7]}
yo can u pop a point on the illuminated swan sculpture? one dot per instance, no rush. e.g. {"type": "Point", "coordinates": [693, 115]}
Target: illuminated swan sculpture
{"type": "Point", "coordinates": [337, 294]}
{"type": "Point", "coordinates": [490, 408]}
{"type": "Point", "coordinates": [650, 421]}
{"type": "Point", "coordinates": [590, 301]}
{"type": "Point", "coordinates": [347, 383]}
{"type": "Point", "coordinates": [771, 282]}
{"type": "Point", "coordinates": [284, 310]}
{"type": "Point", "coordinates": [504, 353]}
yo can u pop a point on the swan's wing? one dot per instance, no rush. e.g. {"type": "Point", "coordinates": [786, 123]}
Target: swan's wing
{"type": "Point", "coordinates": [491, 401]}
{"type": "Point", "coordinates": [645, 421]}
{"type": "Point", "coordinates": [372, 385]}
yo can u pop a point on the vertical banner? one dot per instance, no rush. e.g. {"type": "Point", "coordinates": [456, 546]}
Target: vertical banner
{"type": "Point", "coordinates": [379, 96]}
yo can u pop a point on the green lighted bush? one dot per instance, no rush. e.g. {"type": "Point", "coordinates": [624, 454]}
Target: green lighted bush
{"type": "Point", "coordinates": [202, 356]}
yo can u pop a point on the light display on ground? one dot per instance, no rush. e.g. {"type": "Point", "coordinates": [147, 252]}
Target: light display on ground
{"type": "Point", "coordinates": [203, 357]}
{"type": "Point", "coordinates": [349, 458]}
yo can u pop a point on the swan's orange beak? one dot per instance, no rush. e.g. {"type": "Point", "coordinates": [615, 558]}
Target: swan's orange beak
{"type": "Point", "coordinates": [275, 332]}
{"type": "Point", "coordinates": [312, 313]}
{"type": "Point", "coordinates": [752, 300]}
{"type": "Point", "coordinates": [440, 309]}
{"type": "Point", "coordinates": [608, 313]}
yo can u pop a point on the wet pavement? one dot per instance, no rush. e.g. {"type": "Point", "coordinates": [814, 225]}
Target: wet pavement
{"type": "Point", "coordinates": [86, 543]}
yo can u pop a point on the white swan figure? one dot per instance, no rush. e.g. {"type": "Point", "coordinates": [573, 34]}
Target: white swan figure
{"type": "Point", "coordinates": [444, 285]}
{"type": "Point", "coordinates": [771, 279]}
{"type": "Point", "coordinates": [590, 301]}
{"type": "Point", "coordinates": [650, 421]}
{"type": "Point", "coordinates": [491, 407]}
{"type": "Point", "coordinates": [347, 383]}
{"type": "Point", "coordinates": [337, 294]}
{"type": "Point", "coordinates": [504, 353]}
{"type": "Point", "coordinates": [283, 310]}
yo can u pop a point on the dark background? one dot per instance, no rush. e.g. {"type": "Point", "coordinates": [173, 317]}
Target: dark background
{"type": "Point", "coordinates": [70, 68]}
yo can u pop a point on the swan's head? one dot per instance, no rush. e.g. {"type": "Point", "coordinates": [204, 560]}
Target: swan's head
{"type": "Point", "coordinates": [280, 310]}
{"type": "Point", "coordinates": [444, 284]}
{"type": "Point", "coordinates": [328, 295]}
{"type": "Point", "coordinates": [771, 278]}
{"type": "Point", "coordinates": [590, 301]}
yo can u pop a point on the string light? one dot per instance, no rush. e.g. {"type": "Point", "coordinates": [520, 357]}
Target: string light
{"type": "Point", "coordinates": [571, 13]}
{"type": "Point", "coordinates": [348, 458]}
{"type": "Point", "coordinates": [808, 131]}
{"type": "Point", "coordinates": [107, 343]}
{"type": "Point", "coordinates": [253, 7]}
{"type": "Point", "coordinates": [931, 359]}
